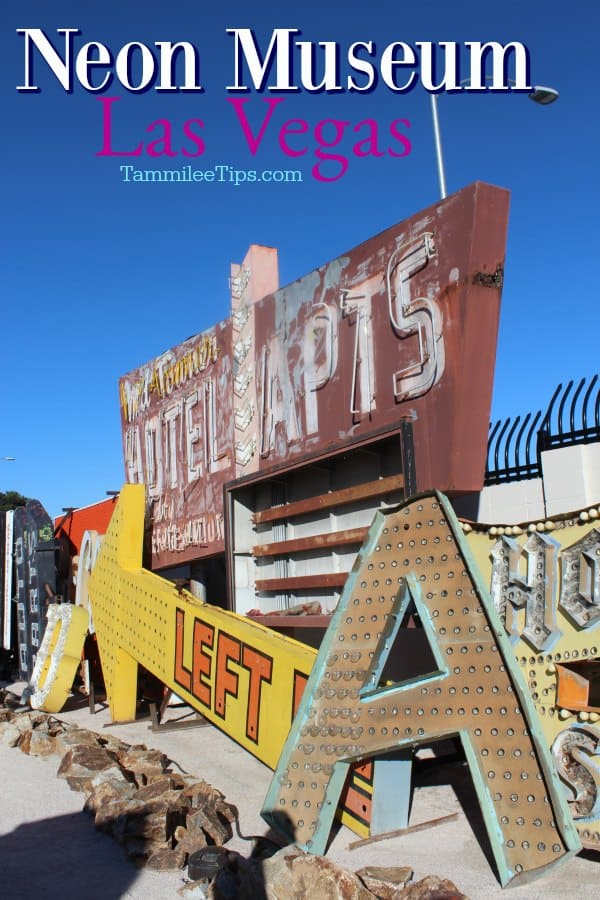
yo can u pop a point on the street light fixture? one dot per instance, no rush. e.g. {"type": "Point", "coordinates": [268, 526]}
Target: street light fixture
{"type": "Point", "coordinates": [543, 95]}
{"type": "Point", "coordinates": [540, 94]}
{"type": "Point", "coordinates": [8, 458]}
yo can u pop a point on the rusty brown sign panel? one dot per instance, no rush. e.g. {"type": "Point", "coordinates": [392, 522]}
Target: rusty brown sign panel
{"type": "Point", "coordinates": [176, 414]}
{"type": "Point", "coordinates": [402, 327]}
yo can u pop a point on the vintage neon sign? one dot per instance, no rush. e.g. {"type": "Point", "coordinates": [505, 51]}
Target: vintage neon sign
{"type": "Point", "coordinates": [237, 672]}
{"type": "Point", "coordinates": [35, 578]}
{"type": "Point", "coordinates": [6, 577]}
{"type": "Point", "coordinates": [58, 657]}
{"type": "Point", "coordinates": [545, 584]}
{"type": "Point", "coordinates": [344, 355]}
{"type": "Point", "coordinates": [233, 670]}
{"type": "Point", "coordinates": [88, 553]}
{"type": "Point", "coordinates": [417, 554]}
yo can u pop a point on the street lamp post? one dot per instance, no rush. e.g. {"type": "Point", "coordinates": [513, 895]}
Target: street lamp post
{"type": "Point", "coordinates": [541, 95]}
{"type": "Point", "coordinates": [438, 146]}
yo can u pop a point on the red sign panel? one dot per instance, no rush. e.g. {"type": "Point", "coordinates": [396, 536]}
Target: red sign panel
{"type": "Point", "coordinates": [76, 522]}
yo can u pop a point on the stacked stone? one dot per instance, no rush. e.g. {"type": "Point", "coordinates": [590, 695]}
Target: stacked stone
{"type": "Point", "coordinates": [159, 816]}
{"type": "Point", "coordinates": [292, 873]}
{"type": "Point", "coordinates": [163, 818]}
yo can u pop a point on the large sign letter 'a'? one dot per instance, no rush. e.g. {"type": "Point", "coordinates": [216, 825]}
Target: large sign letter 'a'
{"type": "Point", "coordinates": [416, 552]}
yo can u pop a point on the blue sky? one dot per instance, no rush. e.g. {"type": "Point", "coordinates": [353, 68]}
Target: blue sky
{"type": "Point", "coordinates": [100, 276]}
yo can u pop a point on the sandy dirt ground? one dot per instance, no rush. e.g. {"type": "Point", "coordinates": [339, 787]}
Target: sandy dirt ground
{"type": "Point", "coordinates": [49, 847]}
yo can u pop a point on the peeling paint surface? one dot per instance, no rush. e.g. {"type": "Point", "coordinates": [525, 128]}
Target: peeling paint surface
{"type": "Point", "coordinates": [403, 326]}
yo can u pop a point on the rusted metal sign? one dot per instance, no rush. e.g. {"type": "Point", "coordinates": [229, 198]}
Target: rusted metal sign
{"type": "Point", "coordinates": [402, 327]}
{"type": "Point", "coordinates": [545, 583]}
{"type": "Point", "coordinates": [416, 554]}
{"type": "Point", "coordinates": [177, 414]}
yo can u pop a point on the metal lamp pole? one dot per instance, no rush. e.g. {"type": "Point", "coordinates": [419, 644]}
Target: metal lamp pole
{"type": "Point", "coordinates": [438, 146]}
{"type": "Point", "coordinates": [539, 94]}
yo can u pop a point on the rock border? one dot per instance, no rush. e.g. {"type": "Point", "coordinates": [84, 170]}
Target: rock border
{"type": "Point", "coordinates": [161, 817]}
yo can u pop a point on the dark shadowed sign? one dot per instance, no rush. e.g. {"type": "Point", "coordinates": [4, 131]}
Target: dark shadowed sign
{"type": "Point", "coordinates": [35, 570]}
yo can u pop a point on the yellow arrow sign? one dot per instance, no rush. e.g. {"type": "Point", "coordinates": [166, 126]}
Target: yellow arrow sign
{"type": "Point", "coordinates": [244, 677]}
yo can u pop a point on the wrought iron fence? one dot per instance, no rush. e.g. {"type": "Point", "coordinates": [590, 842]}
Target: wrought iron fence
{"type": "Point", "coordinates": [515, 445]}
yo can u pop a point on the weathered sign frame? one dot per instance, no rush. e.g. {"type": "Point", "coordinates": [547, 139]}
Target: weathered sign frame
{"type": "Point", "coordinates": [402, 328]}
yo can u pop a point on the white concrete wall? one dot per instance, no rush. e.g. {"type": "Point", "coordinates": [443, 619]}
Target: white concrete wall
{"type": "Point", "coordinates": [512, 503]}
{"type": "Point", "coordinates": [570, 481]}
{"type": "Point", "coordinates": [571, 477]}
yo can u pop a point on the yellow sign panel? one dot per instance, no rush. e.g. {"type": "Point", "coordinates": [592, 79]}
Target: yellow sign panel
{"type": "Point", "coordinates": [58, 656]}
{"type": "Point", "coordinates": [545, 584]}
{"type": "Point", "coordinates": [240, 675]}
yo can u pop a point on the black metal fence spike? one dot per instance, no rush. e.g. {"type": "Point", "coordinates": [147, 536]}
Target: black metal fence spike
{"type": "Point", "coordinates": [561, 407]}
{"type": "Point", "coordinates": [550, 432]}
{"type": "Point", "coordinates": [548, 416]}
{"type": "Point", "coordinates": [578, 390]}
{"type": "Point", "coordinates": [530, 434]}
{"type": "Point", "coordinates": [519, 439]}
{"type": "Point", "coordinates": [509, 439]}
{"type": "Point", "coordinates": [586, 400]}
{"type": "Point", "coordinates": [499, 444]}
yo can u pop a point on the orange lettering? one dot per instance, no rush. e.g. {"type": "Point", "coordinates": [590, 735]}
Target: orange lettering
{"type": "Point", "coordinates": [299, 684]}
{"type": "Point", "coordinates": [226, 680]}
{"type": "Point", "coordinates": [261, 669]}
{"type": "Point", "coordinates": [201, 663]}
